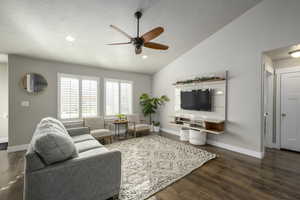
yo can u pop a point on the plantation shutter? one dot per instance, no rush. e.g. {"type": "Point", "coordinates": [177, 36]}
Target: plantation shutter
{"type": "Point", "coordinates": [69, 98]}
{"type": "Point", "coordinates": [111, 97]}
{"type": "Point", "coordinates": [89, 98]}
{"type": "Point", "coordinates": [125, 98]}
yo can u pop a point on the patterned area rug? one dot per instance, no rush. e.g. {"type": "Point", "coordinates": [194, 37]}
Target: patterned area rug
{"type": "Point", "coordinates": [151, 163]}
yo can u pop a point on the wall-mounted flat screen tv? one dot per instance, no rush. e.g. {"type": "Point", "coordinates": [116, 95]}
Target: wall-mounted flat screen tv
{"type": "Point", "coordinates": [200, 100]}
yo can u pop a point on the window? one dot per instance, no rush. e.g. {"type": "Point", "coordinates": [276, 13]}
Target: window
{"type": "Point", "coordinates": [118, 97]}
{"type": "Point", "coordinates": [69, 98]}
{"type": "Point", "coordinates": [89, 100]}
{"type": "Point", "coordinates": [78, 96]}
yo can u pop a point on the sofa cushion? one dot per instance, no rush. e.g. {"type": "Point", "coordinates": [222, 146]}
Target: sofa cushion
{"type": "Point", "coordinates": [92, 152]}
{"type": "Point", "coordinates": [81, 138]}
{"type": "Point", "coordinates": [52, 144]}
{"type": "Point", "coordinates": [101, 132]}
{"type": "Point", "coordinates": [87, 145]}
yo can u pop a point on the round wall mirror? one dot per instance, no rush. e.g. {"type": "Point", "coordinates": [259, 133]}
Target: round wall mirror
{"type": "Point", "coordinates": [33, 83]}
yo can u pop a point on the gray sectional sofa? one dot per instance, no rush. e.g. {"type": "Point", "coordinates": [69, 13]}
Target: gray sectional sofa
{"type": "Point", "coordinates": [69, 164]}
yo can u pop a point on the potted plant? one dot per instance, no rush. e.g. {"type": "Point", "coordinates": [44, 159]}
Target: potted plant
{"type": "Point", "coordinates": [156, 126]}
{"type": "Point", "coordinates": [151, 104]}
{"type": "Point", "coordinates": [121, 116]}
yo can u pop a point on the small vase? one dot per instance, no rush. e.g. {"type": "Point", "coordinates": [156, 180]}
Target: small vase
{"type": "Point", "coordinates": [151, 128]}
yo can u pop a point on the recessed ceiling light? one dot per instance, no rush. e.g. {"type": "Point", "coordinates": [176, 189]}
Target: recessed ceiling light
{"type": "Point", "coordinates": [144, 56]}
{"type": "Point", "coordinates": [70, 38]}
{"type": "Point", "coordinates": [295, 54]}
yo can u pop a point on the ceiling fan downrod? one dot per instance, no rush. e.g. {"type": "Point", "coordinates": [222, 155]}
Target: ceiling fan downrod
{"type": "Point", "coordinates": [138, 16]}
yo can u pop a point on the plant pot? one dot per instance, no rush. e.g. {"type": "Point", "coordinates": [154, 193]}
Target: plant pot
{"type": "Point", "coordinates": [151, 128]}
{"type": "Point", "coordinates": [184, 134]}
{"type": "Point", "coordinates": [156, 129]}
{"type": "Point", "coordinates": [197, 137]}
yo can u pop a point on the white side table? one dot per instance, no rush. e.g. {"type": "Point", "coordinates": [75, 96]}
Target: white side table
{"type": "Point", "coordinates": [197, 137]}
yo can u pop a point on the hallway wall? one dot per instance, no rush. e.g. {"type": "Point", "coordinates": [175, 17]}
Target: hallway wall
{"type": "Point", "coordinates": [3, 102]}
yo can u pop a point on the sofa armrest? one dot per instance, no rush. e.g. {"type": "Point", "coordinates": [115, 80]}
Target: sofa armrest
{"type": "Point", "coordinates": [78, 131]}
{"type": "Point", "coordinates": [95, 176]}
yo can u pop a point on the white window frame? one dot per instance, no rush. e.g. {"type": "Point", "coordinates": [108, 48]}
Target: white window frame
{"type": "Point", "coordinates": [80, 77]}
{"type": "Point", "coordinates": [119, 82]}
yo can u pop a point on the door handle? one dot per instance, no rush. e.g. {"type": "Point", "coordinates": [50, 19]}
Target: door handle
{"type": "Point", "coordinates": [283, 115]}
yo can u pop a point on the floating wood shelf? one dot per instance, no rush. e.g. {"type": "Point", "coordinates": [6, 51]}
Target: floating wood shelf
{"type": "Point", "coordinates": [213, 126]}
{"type": "Point", "coordinates": [186, 82]}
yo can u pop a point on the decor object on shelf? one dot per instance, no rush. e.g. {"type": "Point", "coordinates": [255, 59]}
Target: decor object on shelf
{"type": "Point", "coordinates": [208, 125]}
{"type": "Point", "coordinates": [151, 104]}
{"type": "Point", "coordinates": [144, 40]}
{"type": "Point", "coordinates": [199, 80]}
{"type": "Point", "coordinates": [197, 137]}
{"type": "Point", "coordinates": [33, 83]}
{"type": "Point", "coordinates": [151, 163]}
{"type": "Point", "coordinates": [184, 134]}
{"type": "Point", "coordinates": [156, 126]}
{"type": "Point", "coordinates": [217, 76]}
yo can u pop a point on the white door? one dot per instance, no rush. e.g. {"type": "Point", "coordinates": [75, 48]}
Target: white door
{"type": "Point", "coordinates": [290, 111]}
{"type": "Point", "coordinates": [268, 109]}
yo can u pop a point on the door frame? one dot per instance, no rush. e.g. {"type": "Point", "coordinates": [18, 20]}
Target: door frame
{"type": "Point", "coordinates": [269, 121]}
{"type": "Point", "coordinates": [279, 72]}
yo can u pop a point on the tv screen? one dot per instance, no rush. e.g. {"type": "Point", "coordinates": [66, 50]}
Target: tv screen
{"type": "Point", "coordinates": [196, 100]}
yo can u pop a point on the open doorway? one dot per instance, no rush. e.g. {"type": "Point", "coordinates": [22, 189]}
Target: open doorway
{"type": "Point", "coordinates": [281, 98]}
{"type": "Point", "coordinates": [3, 102]}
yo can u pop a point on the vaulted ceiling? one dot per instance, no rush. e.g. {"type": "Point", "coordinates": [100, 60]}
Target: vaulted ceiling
{"type": "Point", "coordinates": [38, 29]}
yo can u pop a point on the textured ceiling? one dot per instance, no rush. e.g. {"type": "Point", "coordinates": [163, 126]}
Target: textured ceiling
{"type": "Point", "coordinates": [38, 29]}
{"type": "Point", "coordinates": [282, 53]}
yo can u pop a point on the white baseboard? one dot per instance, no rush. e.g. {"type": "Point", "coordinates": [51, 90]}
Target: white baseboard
{"type": "Point", "coordinates": [173, 132]}
{"type": "Point", "coordinates": [3, 140]}
{"type": "Point", "coordinates": [241, 150]}
{"type": "Point", "coordinates": [16, 148]}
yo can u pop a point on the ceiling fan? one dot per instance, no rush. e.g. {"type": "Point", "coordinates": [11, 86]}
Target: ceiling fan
{"type": "Point", "coordinates": [144, 40]}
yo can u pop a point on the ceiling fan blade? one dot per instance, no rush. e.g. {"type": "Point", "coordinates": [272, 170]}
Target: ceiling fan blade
{"type": "Point", "coordinates": [152, 34]}
{"type": "Point", "coordinates": [120, 43]}
{"type": "Point", "coordinates": [153, 45]}
{"type": "Point", "coordinates": [120, 31]}
{"type": "Point", "coordinates": [138, 50]}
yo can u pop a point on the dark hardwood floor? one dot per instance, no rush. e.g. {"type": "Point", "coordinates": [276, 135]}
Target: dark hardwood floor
{"type": "Point", "coordinates": [229, 176]}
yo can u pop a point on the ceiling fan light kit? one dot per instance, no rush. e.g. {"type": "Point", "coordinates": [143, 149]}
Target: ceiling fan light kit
{"type": "Point", "coordinates": [142, 41]}
{"type": "Point", "coordinates": [295, 54]}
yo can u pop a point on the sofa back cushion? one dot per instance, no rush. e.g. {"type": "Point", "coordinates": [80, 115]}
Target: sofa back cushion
{"type": "Point", "coordinates": [52, 142]}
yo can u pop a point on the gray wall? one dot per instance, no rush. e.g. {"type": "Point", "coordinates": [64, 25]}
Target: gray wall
{"type": "Point", "coordinates": [3, 101]}
{"type": "Point", "coordinates": [22, 120]}
{"type": "Point", "coordinates": [237, 47]}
